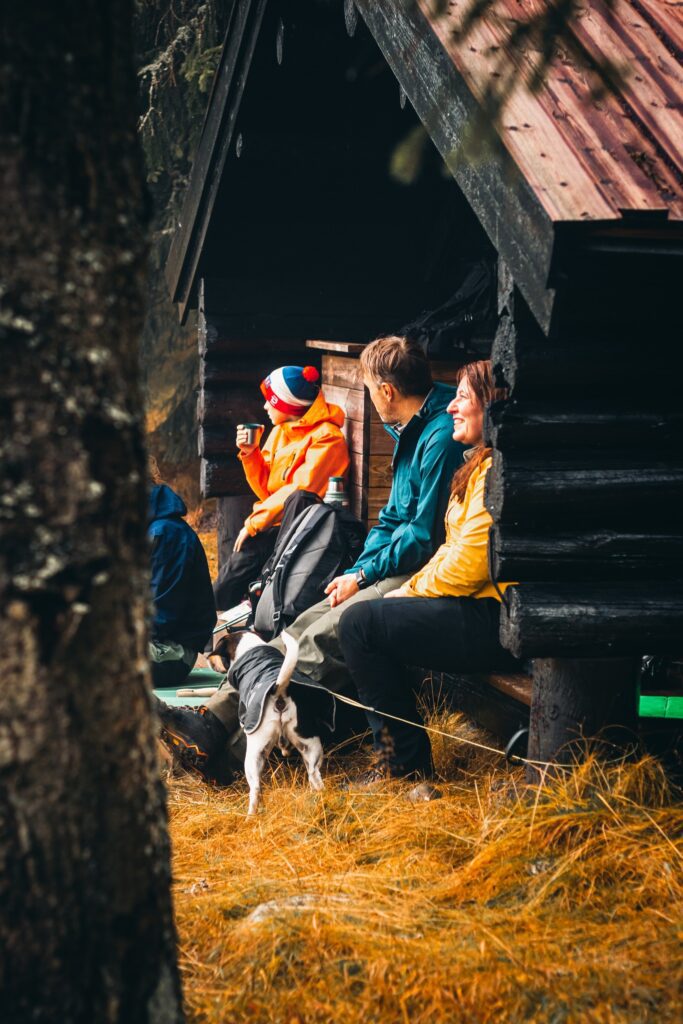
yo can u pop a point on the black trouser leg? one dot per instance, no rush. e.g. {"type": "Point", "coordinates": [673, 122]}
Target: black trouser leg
{"type": "Point", "coordinates": [169, 673]}
{"type": "Point", "coordinates": [380, 638]}
{"type": "Point", "coordinates": [242, 568]}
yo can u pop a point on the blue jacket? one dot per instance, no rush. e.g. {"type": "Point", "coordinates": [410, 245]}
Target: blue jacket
{"type": "Point", "coordinates": [184, 610]}
{"type": "Point", "coordinates": [411, 524]}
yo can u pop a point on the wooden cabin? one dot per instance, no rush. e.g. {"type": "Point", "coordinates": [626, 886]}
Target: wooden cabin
{"type": "Point", "coordinates": [334, 196]}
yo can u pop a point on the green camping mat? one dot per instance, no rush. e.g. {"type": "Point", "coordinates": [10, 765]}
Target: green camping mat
{"type": "Point", "coordinates": [199, 678]}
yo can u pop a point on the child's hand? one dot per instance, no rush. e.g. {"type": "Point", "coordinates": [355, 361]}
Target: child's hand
{"type": "Point", "coordinates": [243, 444]}
{"type": "Point", "coordinates": [241, 537]}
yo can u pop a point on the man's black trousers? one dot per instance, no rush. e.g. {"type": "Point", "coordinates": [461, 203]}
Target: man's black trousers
{"type": "Point", "coordinates": [243, 567]}
{"type": "Point", "coordinates": [381, 638]}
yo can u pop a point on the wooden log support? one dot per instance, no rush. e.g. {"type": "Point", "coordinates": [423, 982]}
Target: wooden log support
{"type": "Point", "coordinates": [583, 488]}
{"type": "Point", "coordinates": [571, 370]}
{"type": "Point", "coordinates": [577, 699]}
{"type": "Point", "coordinates": [592, 620]}
{"type": "Point", "coordinates": [600, 555]}
{"type": "Point", "coordinates": [549, 425]}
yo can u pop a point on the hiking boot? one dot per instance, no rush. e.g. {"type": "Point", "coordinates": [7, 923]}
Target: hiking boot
{"type": "Point", "coordinates": [196, 739]}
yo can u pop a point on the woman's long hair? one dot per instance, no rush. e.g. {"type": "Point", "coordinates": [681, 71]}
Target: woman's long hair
{"type": "Point", "coordinates": [480, 380]}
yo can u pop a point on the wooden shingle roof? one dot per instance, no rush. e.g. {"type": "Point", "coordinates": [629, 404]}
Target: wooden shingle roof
{"type": "Point", "coordinates": [586, 158]}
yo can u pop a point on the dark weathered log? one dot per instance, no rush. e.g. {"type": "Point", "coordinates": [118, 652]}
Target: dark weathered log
{"type": "Point", "coordinates": [557, 371]}
{"type": "Point", "coordinates": [227, 407]}
{"type": "Point", "coordinates": [217, 371]}
{"type": "Point", "coordinates": [218, 478]}
{"type": "Point", "coordinates": [518, 553]}
{"type": "Point", "coordinates": [577, 700]}
{"type": "Point", "coordinates": [592, 487]}
{"type": "Point", "coordinates": [552, 424]}
{"type": "Point", "coordinates": [599, 620]}
{"type": "Point", "coordinates": [216, 443]}
{"type": "Point", "coordinates": [217, 335]}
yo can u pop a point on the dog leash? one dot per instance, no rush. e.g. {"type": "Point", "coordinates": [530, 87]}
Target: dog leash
{"type": "Point", "coordinates": [448, 735]}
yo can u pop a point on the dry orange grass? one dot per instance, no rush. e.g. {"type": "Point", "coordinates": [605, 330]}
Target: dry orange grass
{"type": "Point", "coordinates": [491, 904]}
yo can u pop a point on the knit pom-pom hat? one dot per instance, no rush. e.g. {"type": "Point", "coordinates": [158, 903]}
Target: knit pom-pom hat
{"type": "Point", "coordinates": [291, 389]}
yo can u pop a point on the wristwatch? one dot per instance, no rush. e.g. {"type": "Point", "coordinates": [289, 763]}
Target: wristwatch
{"type": "Point", "coordinates": [361, 580]}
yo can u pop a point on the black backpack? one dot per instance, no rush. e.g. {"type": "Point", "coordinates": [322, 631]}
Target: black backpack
{"type": "Point", "coordinates": [469, 314]}
{"type": "Point", "coordinates": [319, 544]}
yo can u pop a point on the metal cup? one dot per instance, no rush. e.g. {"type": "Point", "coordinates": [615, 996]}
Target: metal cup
{"type": "Point", "coordinates": [253, 432]}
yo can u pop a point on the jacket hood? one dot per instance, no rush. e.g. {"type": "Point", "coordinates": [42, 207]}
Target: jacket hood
{"type": "Point", "coordinates": [438, 400]}
{"type": "Point", "coordinates": [319, 412]}
{"type": "Point", "coordinates": [163, 502]}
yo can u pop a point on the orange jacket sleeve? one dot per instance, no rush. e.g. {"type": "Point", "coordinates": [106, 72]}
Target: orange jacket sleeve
{"type": "Point", "coordinates": [326, 456]}
{"type": "Point", "coordinates": [256, 467]}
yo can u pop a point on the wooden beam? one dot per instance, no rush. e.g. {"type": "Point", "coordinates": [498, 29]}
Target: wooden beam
{"type": "Point", "coordinates": [592, 620]}
{"type": "Point", "coordinates": [552, 423]}
{"type": "Point", "coordinates": [181, 267]}
{"type": "Point", "coordinates": [588, 487]}
{"type": "Point", "coordinates": [519, 553]}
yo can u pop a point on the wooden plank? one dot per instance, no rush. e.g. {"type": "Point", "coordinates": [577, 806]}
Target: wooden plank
{"type": "Point", "coordinates": [380, 472]}
{"type": "Point", "coordinates": [375, 440]}
{"type": "Point", "coordinates": [376, 499]}
{"type": "Point", "coordinates": [592, 620]}
{"type": "Point", "coordinates": [342, 371]}
{"type": "Point", "coordinates": [353, 401]}
{"type": "Point", "coordinates": [343, 347]}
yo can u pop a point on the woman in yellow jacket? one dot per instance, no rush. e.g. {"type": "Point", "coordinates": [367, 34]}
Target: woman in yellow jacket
{"type": "Point", "coordinates": [446, 617]}
{"type": "Point", "coordinates": [305, 448]}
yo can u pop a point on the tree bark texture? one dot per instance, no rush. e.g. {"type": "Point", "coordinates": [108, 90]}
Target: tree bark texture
{"type": "Point", "coordinates": [86, 929]}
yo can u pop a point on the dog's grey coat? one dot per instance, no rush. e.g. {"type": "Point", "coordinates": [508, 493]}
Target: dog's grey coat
{"type": "Point", "coordinates": [255, 673]}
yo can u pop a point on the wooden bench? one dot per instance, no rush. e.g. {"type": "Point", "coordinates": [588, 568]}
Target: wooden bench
{"type": "Point", "coordinates": [501, 703]}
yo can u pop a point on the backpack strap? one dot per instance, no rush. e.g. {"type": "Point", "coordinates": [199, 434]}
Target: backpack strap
{"type": "Point", "coordinates": [310, 517]}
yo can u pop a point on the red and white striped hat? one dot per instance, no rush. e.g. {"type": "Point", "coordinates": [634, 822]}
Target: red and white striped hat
{"type": "Point", "coordinates": [291, 389]}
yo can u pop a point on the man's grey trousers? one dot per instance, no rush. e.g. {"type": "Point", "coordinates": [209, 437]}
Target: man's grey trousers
{"type": "Point", "coordinates": [320, 655]}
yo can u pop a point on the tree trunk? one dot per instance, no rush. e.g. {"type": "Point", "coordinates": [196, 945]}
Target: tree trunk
{"type": "Point", "coordinates": [86, 929]}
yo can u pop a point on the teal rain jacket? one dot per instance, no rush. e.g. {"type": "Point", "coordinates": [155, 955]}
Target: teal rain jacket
{"type": "Point", "coordinates": [411, 524]}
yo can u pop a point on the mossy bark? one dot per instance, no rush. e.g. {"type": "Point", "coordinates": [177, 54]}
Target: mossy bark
{"type": "Point", "coordinates": [86, 929]}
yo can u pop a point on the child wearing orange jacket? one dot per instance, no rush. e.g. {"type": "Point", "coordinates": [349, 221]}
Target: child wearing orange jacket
{"type": "Point", "coordinates": [305, 448]}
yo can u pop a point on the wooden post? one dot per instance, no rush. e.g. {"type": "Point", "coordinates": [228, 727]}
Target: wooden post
{"type": "Point", "coordinates": [577, 699]}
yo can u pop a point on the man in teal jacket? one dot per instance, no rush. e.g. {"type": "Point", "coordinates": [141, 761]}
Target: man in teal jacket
{"type": "Point", "coordinates": [410, 529]}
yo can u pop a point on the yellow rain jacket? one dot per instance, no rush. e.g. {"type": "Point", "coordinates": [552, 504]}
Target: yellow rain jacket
{"type": "Point", "coordinates": [298, 455]}
{"type": "Point", "coordinates": [460, 567]}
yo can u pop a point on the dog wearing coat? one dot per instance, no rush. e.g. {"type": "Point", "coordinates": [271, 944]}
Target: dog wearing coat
{"type": "Point", "coordinates": [271, 713]}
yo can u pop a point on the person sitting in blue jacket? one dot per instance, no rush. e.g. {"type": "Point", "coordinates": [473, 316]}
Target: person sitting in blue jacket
{"type": "Point", "coordinates": [184, 610]}
{"type": "Point", "coordinates": [410, 529]}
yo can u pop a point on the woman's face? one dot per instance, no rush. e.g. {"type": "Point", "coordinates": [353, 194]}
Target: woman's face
{"type": "Point", "coordinates": [468, 415]}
